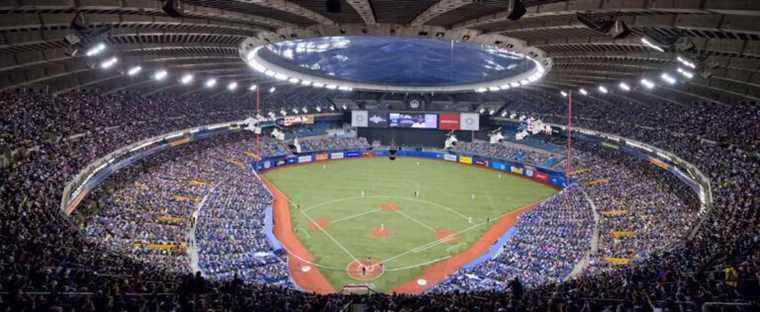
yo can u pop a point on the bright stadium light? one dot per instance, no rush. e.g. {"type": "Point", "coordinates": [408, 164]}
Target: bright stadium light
{"type": "Point", "coordinates": [331, 87]}
{"type": "Point", "coordinates": [332, 107]}
{"type": "Point", "coordinates": [160, 75]}
{"type": "Point", "coordinates": [563, 93]}
{"type": "Point", "coordinates": [685, 73]}
{"type": "Point", "coordinates": [305, 110]}
{"type": "Point", "coordinates": [624, 86]}
{"type": "Point", "coordinates": [481, 90]}
{"type": "Point", "coordinates": [318, 85]}
{"type": "Point", "coordinates": [686, 62]}
{"type": "Point", "coordinates": [319, 109]}
{"type": "Point", "coordinates": [294, 80]}
{"type": "Point", "coordinates": [109, 62]}
{"type": "Point", "coordinates": [134, 70]}
{"type": "Point", "coordinates": [272, 89]}
{"type": "Point", "coordinates": [100, 47]}
{"type": "Point", "coordinates": [647, 83]}
{"type": "Point", "coordinates": [651, 45]}
{"type": "Point", "coordinates": [283, 112]}
{"type": "Point", "coordinates": [232, 86]}
{"type": "Point", "coordinates": [505, 87]}
{"type": "Point", "coordinates": [668, 78]}
{"type": "Point", "coordinates": [210, 83]}
{"type": "Point", "coordinates": [503, 114]}
{"type": "Point", "coordinates": [603, 90]}
{"type": "Point", "coordinates": [583, 91]}
{"type": "Point", "coordinates": [482, 110]}
{"type": "Point", "coordinates": [295, 111]}
{"type": "Point", "coordinates": [493, 89]}
{"type": "Point", "coordinates": [305, 83]}
{"type": "Point", "coordinates": [491, 112]}
{"type": "Point", "coordinates": [253, 87]}
{"type": "Point", "coordinates": [186, 79]}
{"type": "Point", "coordinates": [280, 76]}
{"type": "Point", "coordinates": [514, 84]}
{"type": "Point", "coordinates": [269, 73]}
{"type": "Point", "coordinates": [344, 107]}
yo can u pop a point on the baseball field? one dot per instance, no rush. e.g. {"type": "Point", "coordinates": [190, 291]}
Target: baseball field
{"type": "Point", "coordinates": [385, 223]}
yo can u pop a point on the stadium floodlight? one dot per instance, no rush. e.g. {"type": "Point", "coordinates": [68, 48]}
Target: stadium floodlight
{"type": "Point", "coordinates": [318, 85]}
{"type": "Point", "coordinates": [283, 112]}
{"type": "Point", "coordinates": [305, 110]}
{"type": "Point", "coordinates": [583, 91]}
{"type": "Point", "coordinates": [505, 87]}
{"type": "Point", "coordinates": [685, 73]}
{"type": "Point", "coordinates": [647, 83]}
{"type": "Point", "coordinates": [514, 84]}
{"type": "Point", "coordinates": [493, 89]}
{"type": "Point", "coordinates": [134, 70]}
{"type": "Point", "coordinates": [186, 79]}
{"type": "Point", "coordinates": [253, 87]}
{"type": "Point", "coordinates": [624, 86]}
{"type": "Point", "coordinates": [294, 80]}
{"type": "Point", "coordinates": [160, 75]}
{"type": "Point", "coordinates": [232, 86]}
{"type": "Point", "coordinates": [210, 83]}
{"type": "Point", "coordinates": [344, 107]}
{"type": "Point", "coordinates": [482, 110]}
{"type": "Point", "coordinates": [481, 90]}
{"type": "Point", "coordinates": [603, 89]}
{"type": "Point", "coordinates": [269, 73]}
{"type": "Point", "coordinates": [331, 87]}
{"type": "Point", "coordinates": [504, 114]}
{"type": "Point", "coordinates": [491, 112]}
{"type": "Point", "coordinates": [272, 89]}
{"type": "Point", "coordinates": [332, 107]}
{"type": "Point", "coordinates": [651, 45]}
{"type": "Point", "coordinates": [686, 62]}
{"type": "Point", "coordinates": [563, 93]}
{"type": "Point", "coordinates": [280, 76]}
{"type": "Point", "coordinates": [100, 47]}
{"type": "Point", "coordinates": [295, 110]}
{"type": "Point", "coordinates": [668, 78]}
{"type": "Point", "coordinates": [319, 109]}
{"type": "Point", "coordinates": [305, 83]}
{"type": "Point", "coordinates": [345, 88]}
{"type": "Point", "coordinates": [524, 82]}
{"type": "Point", "coordinates": [109, 62]}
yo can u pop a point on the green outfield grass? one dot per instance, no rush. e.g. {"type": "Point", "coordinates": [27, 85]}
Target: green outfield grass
{"type": "Point", "coordinates": [332, 192]}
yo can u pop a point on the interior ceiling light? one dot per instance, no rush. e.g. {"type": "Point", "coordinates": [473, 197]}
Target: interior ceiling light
{"type": "Point", "coordinates": [210, 83]}
{"type": "Point", "coordinates": [272, 89]}
{"type": "Point", "coordinates": [563, 93]}
{"type": "Point", "coordinates": [134, 70]}
{"type": "Point", "coordinates": [651, 45]}
{"type": "Point", "coordinates": [647, 83]}
{"type": "Point", "coordinates": [624, 86]}
{"type": "Point", "coordinates": [160, 75]}
{"type": "Point", "coordinates": [686, 62]}
{"type": "Point", "coordinates": [109, 62]}
{"type": "Point", "coordinates": [186, 79]}
{"type": "Point", "coordinates": [668, 78]}
{"type": "Point", "coordinates": [294, 80]}
{"type": "Point", "coordinates": [253, 87]}
{"type": "Point", "coordinates": [232, 86]}
{"type": "Point", "coordinates": [97, 49]}
{"type": "Point", "coordinates": [481, 90]}
{"type": "Point", "coordinates": [583, 91]}
{"type": "Point", "coordinates": [685, 73]}
{"type": "Point", "coordinates": [603, 89]}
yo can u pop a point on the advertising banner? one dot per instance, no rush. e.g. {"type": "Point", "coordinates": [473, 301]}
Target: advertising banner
{"type": "Point", "coordinates": [321, 157]}
{"type": "Point", "coordinates": [528, 172]}
{"type": "Point", "coordinates": [516, 170]}
{"type": "Point", "coordinates": [413, 120]}
{"type": "Point", "coordinates": [280, 162]}
{"type": "Point", "coordinates": [267, 164]}
{"type": "Point", "coordinates": [359, 118]}
{"type": "Point", "coordinates": [481, 162]}
{"type": "Point", "coordinates": [465, 160]}
{"type": "Point", "coordinates": [469, 121]}
{"type": "Point", "coordinates": [540, 176]}
{"type": "Point", "coordinates": [352, 154]}
{"type": "Point", "coordinates": [338, 155]}
{"type": "Point", "coordinates": [498, 165]}
{"type": "Point", "coordinates": [448, 121]}
{"type": "Point", "coordinates": [378, 119]}
{"type": "Point", "coordinates": [659, 163]}
{"type": "Point", "coordinates": [304, 159]}
{"type": "Point", "coordinates": [450, 157]}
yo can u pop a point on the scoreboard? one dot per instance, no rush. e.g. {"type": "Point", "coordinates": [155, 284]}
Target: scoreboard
{"type": "Point", "coordinates": [415, 120]}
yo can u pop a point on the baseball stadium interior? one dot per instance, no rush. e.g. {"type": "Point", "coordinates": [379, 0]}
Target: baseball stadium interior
{"type": "Point", "coordinates": [380, 155]}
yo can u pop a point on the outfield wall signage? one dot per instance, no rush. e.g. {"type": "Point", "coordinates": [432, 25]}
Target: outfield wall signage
{"type": "Point", "coordinates": [516, 170]}
{"type": "Point", "coordinates": [352, 154]}
{"type": "Point", "coordinates": [450, 157]}
{"type": "Point", "coordinates": [320, 157]}
{"type": "Point", "coordinates": [304, 159]}
{"type": "Point", "coordinates": [448, 121]}
{"type": "Point", "coordinates": [338, 155]}
{"type": "Point", "coordinates": [465, 160]}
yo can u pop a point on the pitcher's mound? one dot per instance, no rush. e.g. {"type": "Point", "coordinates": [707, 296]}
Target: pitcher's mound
{"type": "Point", "coordinates": [445, 236]}
{"type": "Point", "coordinates": [319, 223]}
{"type": "Point", "coordinates": [365, 270]}
{"type": "Point", "coordinates": [389, 206]}
{"type": "Point", "coordinates": [379, 232]}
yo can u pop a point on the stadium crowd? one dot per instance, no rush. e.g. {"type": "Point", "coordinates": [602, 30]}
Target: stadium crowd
{"type": "Point", "coordinates": [502, 151]}
{"type": "Point", "coordinates": [325, 143]}
{"type": "Point", "coordinates": [46, 140]}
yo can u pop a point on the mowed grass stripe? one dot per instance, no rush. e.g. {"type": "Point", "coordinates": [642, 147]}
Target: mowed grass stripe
{"type": "Point", "coordinates": [446, 202]}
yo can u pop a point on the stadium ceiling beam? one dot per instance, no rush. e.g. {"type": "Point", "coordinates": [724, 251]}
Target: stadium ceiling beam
{"type": "Point", "coordinates": [690, 24]}
{"type": "Point", "coordinates": [126, 41]}
{"type": "Point", "coordinates": [438, 9]}
{"type": "Point", "coordinates": [292, 8]}
{"type": "Point", "coordinates": [364, 8]}
{"type": "Point", "coordinates": [133, 25]}
{"type": "Point", "coordinates": [638, 7]}
{"type": "Point", "coordinates": [150, 7]}
{"type": "Point", "coordinates": [714, 48]}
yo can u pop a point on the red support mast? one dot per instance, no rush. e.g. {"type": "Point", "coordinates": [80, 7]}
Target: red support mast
{"type": "Point", "coordinates": [258, 113]}
{"type": "Point", "coordinates": [569, 149]}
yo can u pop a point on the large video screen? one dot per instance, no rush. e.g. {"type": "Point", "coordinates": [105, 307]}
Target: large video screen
{"type": "Point", "coordinates": [413, 120]}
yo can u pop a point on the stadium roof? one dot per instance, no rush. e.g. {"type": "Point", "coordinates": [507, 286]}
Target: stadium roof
{"type": "Point", "coordinates": [722, 36]}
